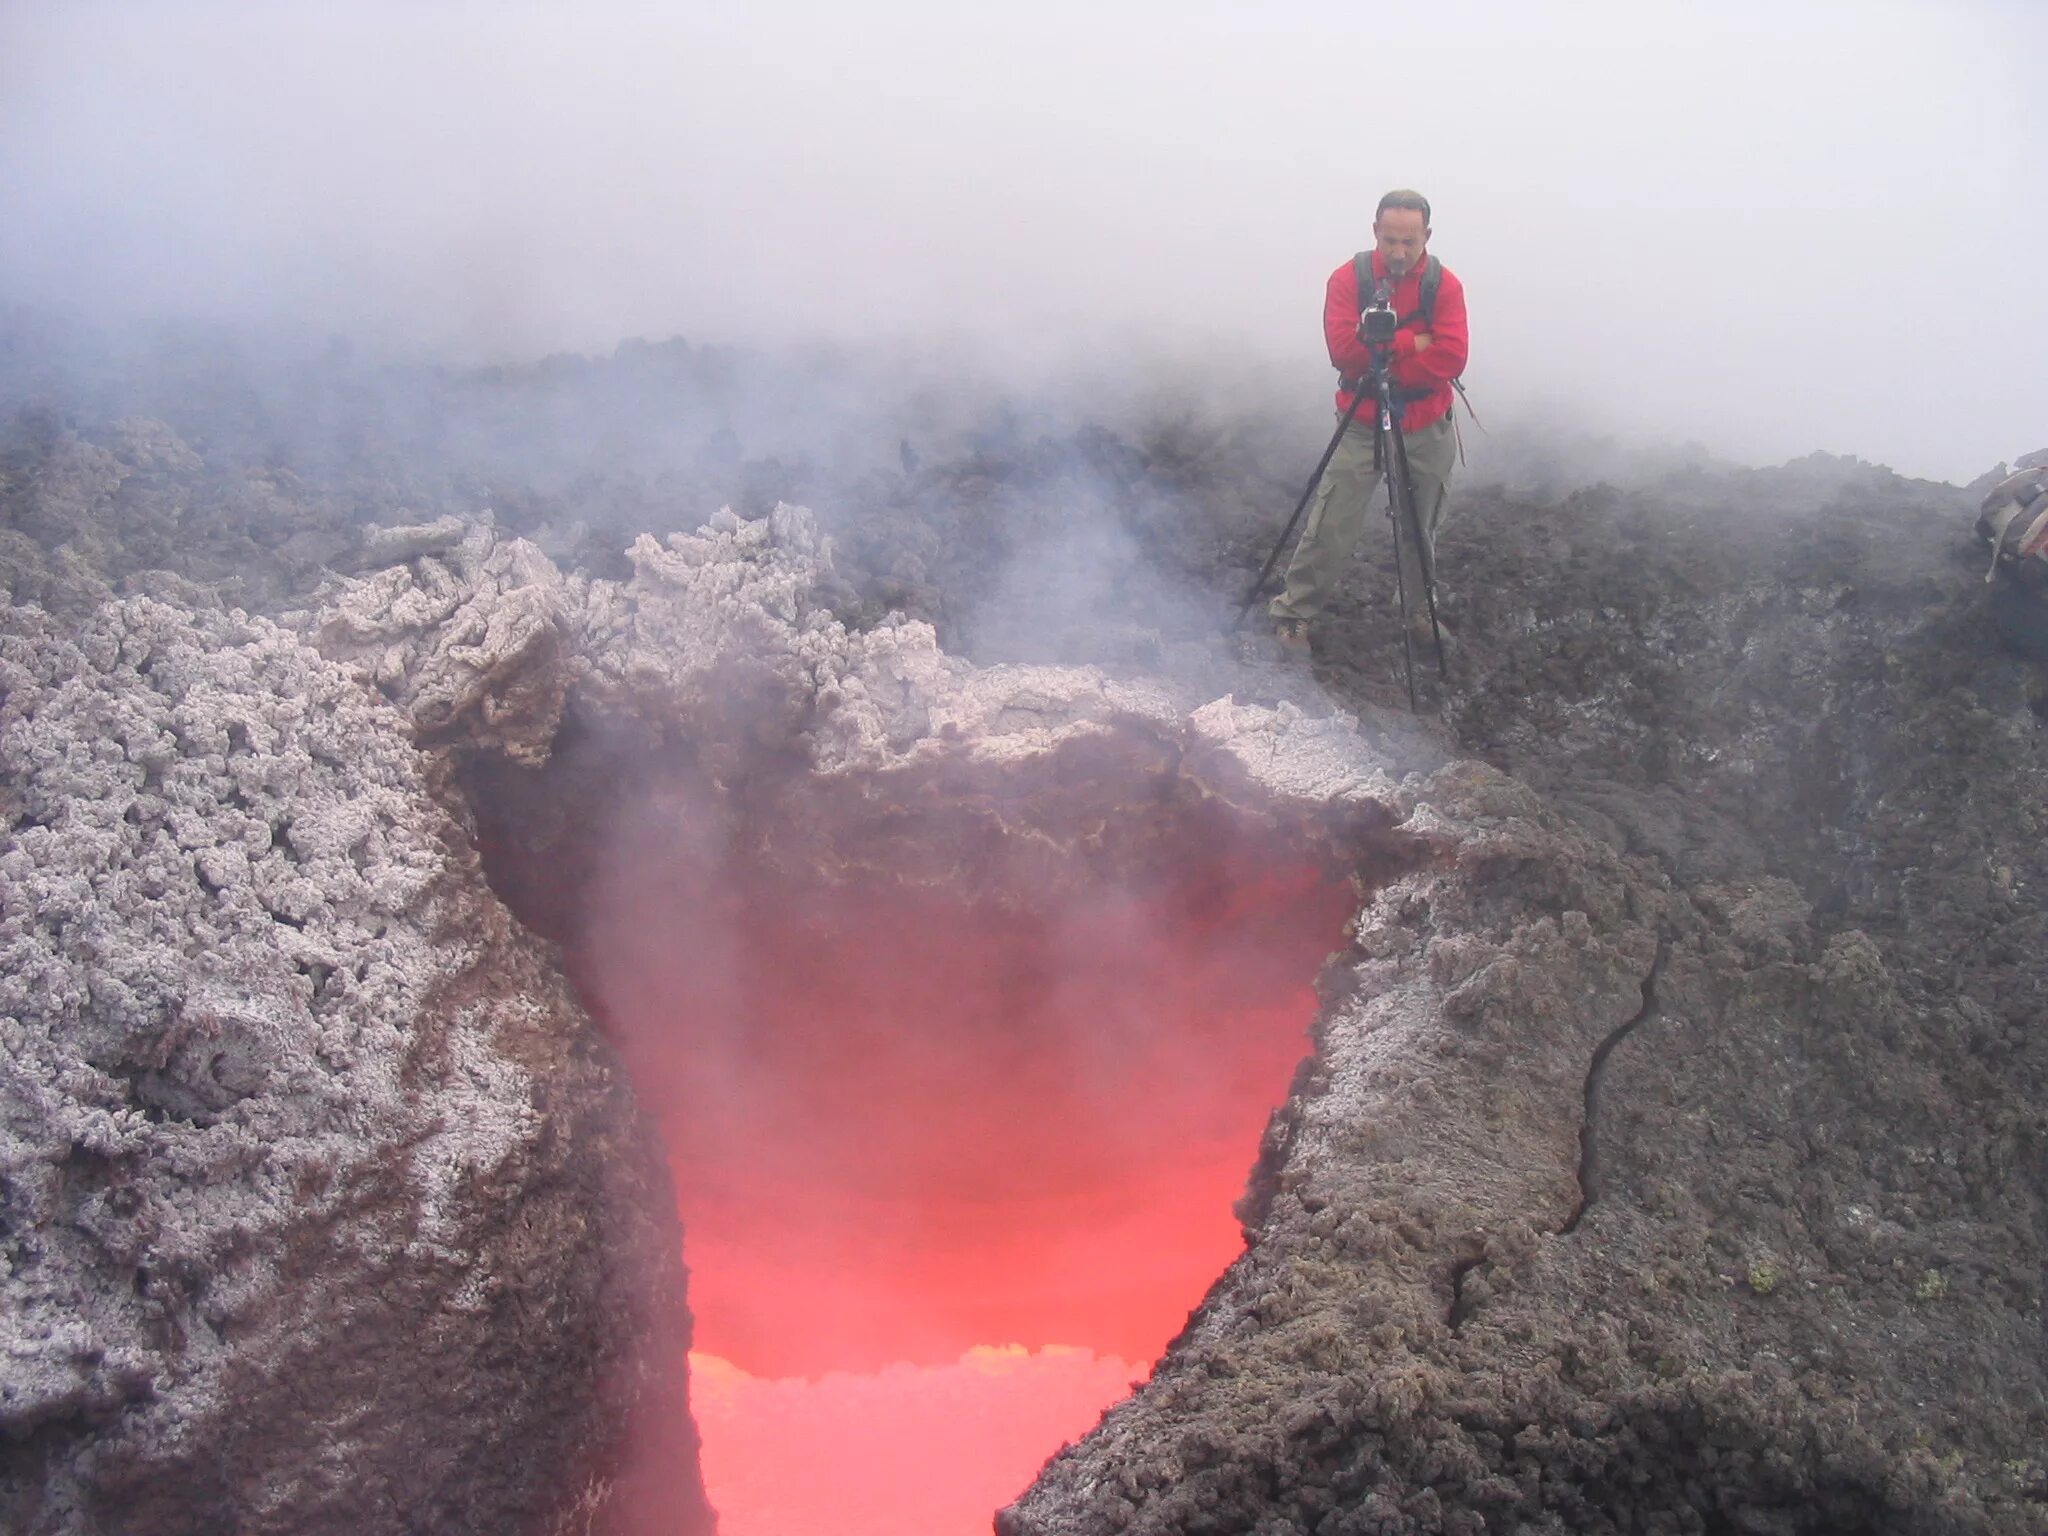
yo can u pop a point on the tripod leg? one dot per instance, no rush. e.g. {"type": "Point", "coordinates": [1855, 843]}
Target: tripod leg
{"type": "Point", "coordinates": [1388, 448]}
{"type": "Point", "coordinates": [1425, 556]}
{"type": "Point", "coordinates": [1301, 506]}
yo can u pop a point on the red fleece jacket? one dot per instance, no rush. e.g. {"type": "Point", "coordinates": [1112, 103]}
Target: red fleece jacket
{"type": "Point", "coordinates": [1432, 368]}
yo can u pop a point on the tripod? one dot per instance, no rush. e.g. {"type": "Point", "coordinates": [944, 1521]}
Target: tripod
{"type": "Point", "coordinates": [1390, 455]}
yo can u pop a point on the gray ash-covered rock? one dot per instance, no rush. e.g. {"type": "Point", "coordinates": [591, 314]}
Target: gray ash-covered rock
{"type": "Point", "coordinates": [462, 630]}
{"type": "Point", "coordinates": [322, 1210]}
{"type": "Point", "coordinates": [129, 506]}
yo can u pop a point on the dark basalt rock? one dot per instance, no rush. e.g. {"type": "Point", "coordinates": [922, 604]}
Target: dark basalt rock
{"type": "Point", "coordinates": [1744, 1230]}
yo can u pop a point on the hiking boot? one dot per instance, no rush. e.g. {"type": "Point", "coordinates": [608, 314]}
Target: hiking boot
{"type": "Point", "coordinates": [1292, 635]}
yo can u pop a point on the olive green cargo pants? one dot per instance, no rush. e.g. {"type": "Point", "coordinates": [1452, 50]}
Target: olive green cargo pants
{"type": "Point", "coordinates": [1347, 495]}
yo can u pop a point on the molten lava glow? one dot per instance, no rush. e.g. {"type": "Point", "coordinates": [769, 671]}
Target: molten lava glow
{"type": "Point", "coordinates": [907, 1127]}
{"type": "Point", "coordinates": [907, 1449]}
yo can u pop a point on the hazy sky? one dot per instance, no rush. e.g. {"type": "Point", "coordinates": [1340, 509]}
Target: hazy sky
{"type": "Point", "coordinates": [1769, 227]}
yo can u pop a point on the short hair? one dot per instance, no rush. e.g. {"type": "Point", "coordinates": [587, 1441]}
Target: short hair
{"type": "Point", "coordinates": [1403, 198]}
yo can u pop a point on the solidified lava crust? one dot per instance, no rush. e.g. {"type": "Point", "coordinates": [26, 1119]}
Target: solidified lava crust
{"type": "Point", "coordinates": [1805, 1294]}
{"type": "Point", "coordinates": [1746, 731]}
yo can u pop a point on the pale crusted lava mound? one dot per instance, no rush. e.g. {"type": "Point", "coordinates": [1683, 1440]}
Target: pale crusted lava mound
{"type": "Point", "coordinates": [318, 1211]}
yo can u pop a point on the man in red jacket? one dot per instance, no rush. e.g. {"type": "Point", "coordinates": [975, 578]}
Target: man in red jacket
{"type": "Point", "coordinates": [1428, 353]}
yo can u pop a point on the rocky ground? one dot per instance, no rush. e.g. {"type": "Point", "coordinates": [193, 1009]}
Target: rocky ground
{"type": "Point", "coordinates": [1696, 1182]}
{"type": "Point", "coordinates": [1673, 1156]}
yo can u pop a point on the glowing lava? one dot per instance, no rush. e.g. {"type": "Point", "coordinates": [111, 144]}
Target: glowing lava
{"type": "Point", "coordinates": [967, 1160]}
{"type": "Point", "coordinates": [906, 1449]}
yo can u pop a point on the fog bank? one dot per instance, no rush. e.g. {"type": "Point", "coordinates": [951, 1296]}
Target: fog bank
{"type": "Point", "coordinates": [1772, 229]}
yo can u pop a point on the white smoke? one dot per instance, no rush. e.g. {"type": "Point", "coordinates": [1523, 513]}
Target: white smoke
{"type": "Point", "coordinates": [1771, 228]}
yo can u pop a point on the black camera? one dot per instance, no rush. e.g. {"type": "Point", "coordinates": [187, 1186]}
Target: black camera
{"type": "Point", "coordinates": [1377, 322]}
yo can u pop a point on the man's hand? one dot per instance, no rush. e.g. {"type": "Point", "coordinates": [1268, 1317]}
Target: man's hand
{"type": "Point", "coordinates": [1422, 340]}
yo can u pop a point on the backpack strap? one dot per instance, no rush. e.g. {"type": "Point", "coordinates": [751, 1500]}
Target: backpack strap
{"type": "Point", "coordinates": [1432, 280]}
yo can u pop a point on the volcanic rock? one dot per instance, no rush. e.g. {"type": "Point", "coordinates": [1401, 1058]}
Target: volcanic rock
{"type": "Point", "coordinates": [320, 1204]}
{"type": "Point", "coordinates": [139, 508]}
{"type": "Point", "coordinates": [465, 635]}
{"type": "Point", "coordinates": [382, 546]}
{"type": "Point", "coordinates": [1671, 1157]}
{"type": "Point", "coordinates": [1636, 1181]}
{"type": "Point", "coordinates": [1675, 1159]}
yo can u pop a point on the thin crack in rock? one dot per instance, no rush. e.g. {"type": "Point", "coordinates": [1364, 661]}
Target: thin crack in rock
{"type": "Point", "coordinates": [1460, 1310]}
{"type": "Point", "coordinates": [1596, 1072]}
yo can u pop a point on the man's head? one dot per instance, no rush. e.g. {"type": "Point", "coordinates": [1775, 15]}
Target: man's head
{"type": "Point", "coordinates": [1400, 226]}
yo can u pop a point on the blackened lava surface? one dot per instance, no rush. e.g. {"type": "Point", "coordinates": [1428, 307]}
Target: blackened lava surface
{"type": "Point", "coordinates": [1795, 1282]}
{"type": "Point", "coordinates": [1743, 798]}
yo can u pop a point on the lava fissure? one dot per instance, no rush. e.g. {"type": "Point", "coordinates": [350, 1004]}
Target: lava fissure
{"type": "Point", "coordinates": [1596, 1071]}
{"type": "Point", "coordinates": [956, 1109]}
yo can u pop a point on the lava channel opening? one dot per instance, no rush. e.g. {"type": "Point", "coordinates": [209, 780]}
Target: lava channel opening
{"type": "Point", "coordinates": [957, 1109]}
